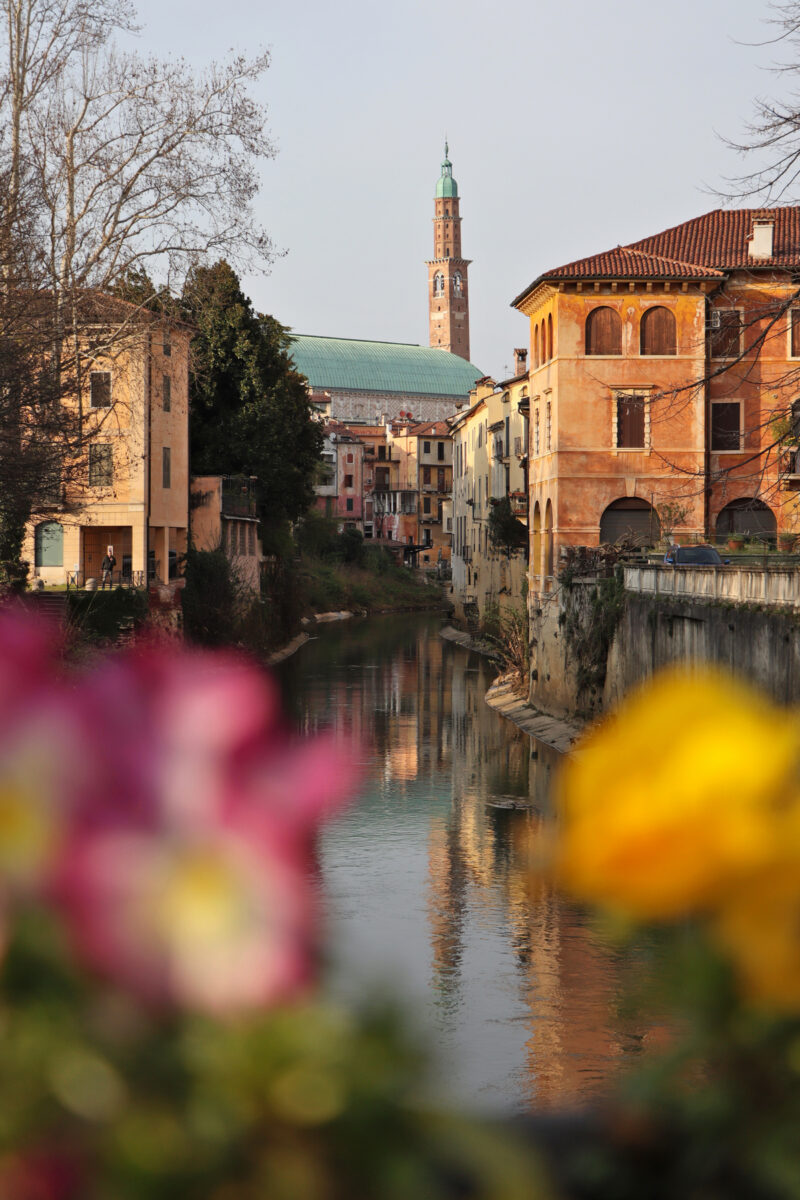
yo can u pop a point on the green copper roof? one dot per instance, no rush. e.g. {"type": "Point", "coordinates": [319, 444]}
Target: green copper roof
{"type": "Point", "coordinates": [352, 365]}
{"type": "Point", "coordinates": [446, 187]}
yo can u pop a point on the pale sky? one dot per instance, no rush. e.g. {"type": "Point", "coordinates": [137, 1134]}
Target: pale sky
{"type": "Point", "coordinates": [574, 125]}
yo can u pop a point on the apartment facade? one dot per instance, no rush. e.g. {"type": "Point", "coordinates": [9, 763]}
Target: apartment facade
{"type": "Point", "coordinates": [490, 457]}
{"type": "Point", "coordinates": [224, 515]}
{"type": "Point", "coordinates": [658, 373]}
{"type": "Point", "coordinates": [129, 485]}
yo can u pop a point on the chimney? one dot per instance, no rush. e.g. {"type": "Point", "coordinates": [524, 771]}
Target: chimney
{"type": "Point", "coordinates": [760, 242]}
{"type": "Point", "coordinates": [520, 361]}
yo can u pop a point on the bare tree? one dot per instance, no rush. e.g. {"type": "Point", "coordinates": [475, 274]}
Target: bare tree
{"type": "Point", "coordinates": [112, 166]}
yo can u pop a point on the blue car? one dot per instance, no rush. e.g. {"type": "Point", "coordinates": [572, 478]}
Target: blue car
{"type": "Point", "coordinates": [694, 556]}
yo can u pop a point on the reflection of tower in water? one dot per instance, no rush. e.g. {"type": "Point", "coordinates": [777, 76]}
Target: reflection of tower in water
{"type": "Point", "coordinates": [568, 981]}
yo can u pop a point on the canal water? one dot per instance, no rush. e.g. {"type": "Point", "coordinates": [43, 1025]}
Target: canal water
{"type": "Point", "coordinates": [426, 883]}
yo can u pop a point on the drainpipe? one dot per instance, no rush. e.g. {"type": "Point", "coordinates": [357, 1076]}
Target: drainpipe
{"type": "Point", "coordinates": [706, 432]}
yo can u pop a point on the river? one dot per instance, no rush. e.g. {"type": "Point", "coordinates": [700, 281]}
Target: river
{"type": "Point", "coordinates": [426, 882]}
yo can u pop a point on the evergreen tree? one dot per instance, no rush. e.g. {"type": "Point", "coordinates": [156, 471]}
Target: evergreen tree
{"type": "Point", "coordinates": [249, 408]}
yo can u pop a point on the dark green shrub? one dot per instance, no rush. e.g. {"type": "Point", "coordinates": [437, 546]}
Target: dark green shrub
{"type": "Point", "coordinates": [317, 535]}
{"type": "Point", "coordinates": [211, 599]}
{"type": "Point", "coordinates": [106, 615]}
{"type": "Point", "coordinates": [352, 545]}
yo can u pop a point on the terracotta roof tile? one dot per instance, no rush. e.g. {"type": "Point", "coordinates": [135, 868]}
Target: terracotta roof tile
{"type": "Point", "coordinates": [721, 238]}
{"type": "Point", "coordinates": [702, 248]}
{"type": "Point", "coordinates": [633, 264]}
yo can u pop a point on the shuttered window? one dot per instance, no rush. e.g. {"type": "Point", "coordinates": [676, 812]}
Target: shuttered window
{"type": "Point", "coordinates": [630, 422]}
{"type": "Point", "coordinates": [726, 339]}
{"type": "Point", "coordinates": [795, 315]}
{"type": "Point", "coordinates": [166, 467]}
{"type": "Point", "coordinates": [101, 466]}
{"type": "Point", "coordinates": [100, 389]}
{"type": "Point", "coordinates": [603, 332]}
{"type": "Point", "coordinates": [725, 426]}
{"type": "Point", "coordinates": [657, 333]}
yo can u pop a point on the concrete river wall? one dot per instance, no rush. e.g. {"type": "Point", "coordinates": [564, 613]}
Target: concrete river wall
{"type": "Point", "coordinates": [594, 639]}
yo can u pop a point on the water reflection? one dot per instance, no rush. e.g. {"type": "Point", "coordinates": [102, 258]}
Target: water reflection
{"type": "Point", "coordinates": [426, 879]}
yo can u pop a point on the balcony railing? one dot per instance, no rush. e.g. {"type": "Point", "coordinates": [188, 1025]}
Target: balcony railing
{"type": "Point", "coordinates": [239, 496]}
{"type": "Point", "coordinates": [519, 505]}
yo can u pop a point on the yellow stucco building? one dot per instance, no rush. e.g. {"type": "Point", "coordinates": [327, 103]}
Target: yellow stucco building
{"type": "Point", "coordinates": [128, 484]}
{"type": "Point", "coordinates": [490, 464]}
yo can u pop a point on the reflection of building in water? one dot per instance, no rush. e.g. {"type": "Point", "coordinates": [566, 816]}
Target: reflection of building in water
{"type": "Point", "coordinates": [568, 980]}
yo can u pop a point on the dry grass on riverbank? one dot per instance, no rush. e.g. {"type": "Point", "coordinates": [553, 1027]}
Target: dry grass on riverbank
{"type": "Point", "coordinates": [327, 586]}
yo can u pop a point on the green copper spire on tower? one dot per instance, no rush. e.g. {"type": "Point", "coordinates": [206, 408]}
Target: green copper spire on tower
{"type": "Point", "coordinates": [446, 187]}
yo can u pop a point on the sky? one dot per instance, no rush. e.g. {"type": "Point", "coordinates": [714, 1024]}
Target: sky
{"type": "Point", "coordinates": [573, 125]}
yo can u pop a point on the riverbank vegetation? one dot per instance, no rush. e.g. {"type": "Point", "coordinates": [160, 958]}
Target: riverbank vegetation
{"type": "Point", "coordinates": [339, 574]}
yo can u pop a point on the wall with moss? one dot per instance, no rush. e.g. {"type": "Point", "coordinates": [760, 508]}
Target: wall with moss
{"type": "Point", "coordinates": [591, 642]}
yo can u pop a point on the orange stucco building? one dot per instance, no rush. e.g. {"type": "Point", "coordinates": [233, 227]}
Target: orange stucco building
{"type": "Point", "coordinates": [658, 372]}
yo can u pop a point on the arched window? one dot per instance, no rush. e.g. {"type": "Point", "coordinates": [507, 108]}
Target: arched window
{"type": "Point", "coordinates": [457, 283]}
{"type": "Point", "coordinates": [537, 539]}
{"type": "Point", "coordinates": [603, 331]}
{"type": "Point", "coordinates": [657, 333]}
{"type": "Point", "coordinates": [549, 336]}
{"type": "Point", "coordinates": [536, 346]}
{"type": "Point", "coordinates": [630, 519]}
{"type": "Point", "coordinates": [749, 517]}
{"type": "Point", "coordinates": [548, 539]}
{"type": "Point", "coordinates": [49, 545]}
{"type": "Point", "coordinates": [438, 284]}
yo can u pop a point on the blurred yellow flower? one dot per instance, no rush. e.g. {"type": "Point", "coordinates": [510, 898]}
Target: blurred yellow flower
{"type": "Point", "coordinates": [758, 922]}
{"type": "Point", "coordinates": [677, 795]}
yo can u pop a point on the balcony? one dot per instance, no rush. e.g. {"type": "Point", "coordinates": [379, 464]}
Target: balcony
{"type": "Point", "coordinates": [519, 505]}
{"type": "Point", "coordinates": [239, 496]}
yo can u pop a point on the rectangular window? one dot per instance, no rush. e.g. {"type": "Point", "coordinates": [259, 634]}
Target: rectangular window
{"type": "Point", "coordinates": [426, 447]}
{"type": "Point", "coordinates": [630, 422]}
{"type": "Point", "coordinates": [100, 389]}
{"type": "Point", "coordinates": [726, 338]}
{"type": "Point", "coordinates": [440, 451]}
{"type": "Point", "coordinates": [251, 539]}
{"type": "Point", "coordinates": [350, 458]}
{"type": "Point", "coordinates": [426, 475]}
{"type": "Point", "coordinates": [166, 467]}
{"type": "Point", "coordinates": [547, 428]}
{"type": "Point", "coordinates": [795, 334]}
{"type": "Point", "coordinates": [101, 466]}
{"type": "Point", "coordinates": [725, 426]}
{"type": "Point", "coordinates": [348, 481]}
{"type": "Point", "coordinates": [426, 504]}
{"type": "Point", "coordinates": [382, 453]}
{"type": "Point", "coordinates": [536, 432]}
{"type": "Point", "coordinates": [349, 505]}
{"type": "Point", "coordinates": [166, 345]}
{"type": "Point", "coordinates": [166, 393]}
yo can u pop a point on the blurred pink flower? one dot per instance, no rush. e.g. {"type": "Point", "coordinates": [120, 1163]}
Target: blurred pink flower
{"type": "Point", "coordinates": [41, 1175]}
{"type": "Point", "coordinates": [216, 922]}
{"type": "Point", "coordinates": [43, 767]}
{"type": "Point", "coordinates": [158, 800]}
{"type": "Point", "coordinates": [187, 876]}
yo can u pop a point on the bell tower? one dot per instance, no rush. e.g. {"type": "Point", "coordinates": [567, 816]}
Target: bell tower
{"type": "Point", "coordinates": [448, 290]}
